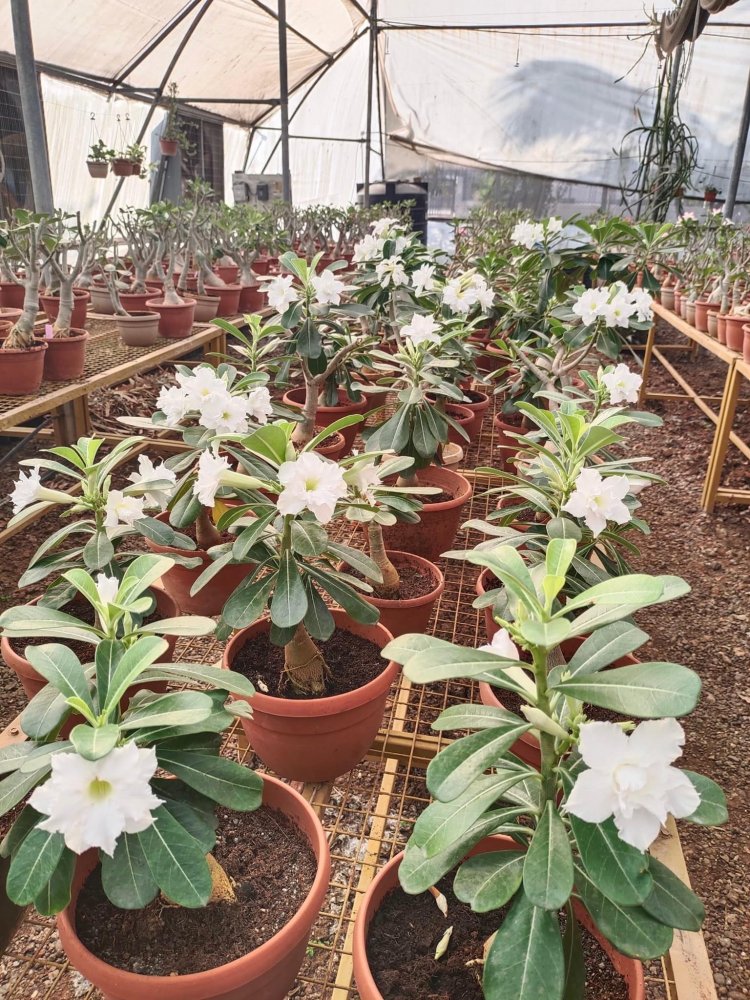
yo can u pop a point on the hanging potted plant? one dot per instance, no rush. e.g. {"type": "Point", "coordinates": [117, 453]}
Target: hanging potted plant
{"type": "Point", "coordinates": [710, 191]}
{"type": "Point", "coordinates": [99, 158]}
{"type": "Point", "coordinates": [21, 354]}
{"type": "Point", "coordinates": [173, 135]}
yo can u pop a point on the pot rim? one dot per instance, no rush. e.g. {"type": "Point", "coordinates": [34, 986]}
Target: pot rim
{"type": "Point", "coordinates": [400, 556]}
{"type": "Point", "coordinates": [155, 303]}
{"type": "Point", "coordinates": [351, 406]}
{"type": "Point", "coordinates": [233, 973]}
{"type": "Point", "coordinates": [38, 346]}
{"type": "Point", "coordinates": [138, 316]}
{"type": "Point", "coordinates": [77, 336]}
{"type": "Point", "coordinates": [458, 500]}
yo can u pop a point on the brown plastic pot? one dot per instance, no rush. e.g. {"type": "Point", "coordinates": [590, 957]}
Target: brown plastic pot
{"type": "Point", "coordinates": [229, 299]}
{"type": "Point", "coordinates": [5, 327]}
{"type": "Point", "coordinates": [387, 879]}
{"type": "Point", "coordinates": [408, 614]}
{"type": "Point", "coordinates": [336, 449]}
{"type": "Point", "coordinates": [11, 295]}
{"type": "Point", "coordinates": [266, 973]}
{"type": "Point", "coordinates": [316, 739]}
{"type": "Point", "coordinates": [122, 167]}
{"type": "Point", "coordinates": [746, 343]}
{"type": "Point", "coordinates": [508, 445]}
{"type": "Point", "coordinates": [262, 264]}
{"type": "Point", "coordinates": [438, 524]}
{"type": "Point", "coordinates": [168, 147]}
{"type": "Point", "coordinates": [252, 299]}
{"type": "Point", "coordinates": [667, 297]}
{"type": "Point", "coordinates": [138, 329]}
{"type": "Point", "coordinates": [229, 273]}
{"type": "Point", "coordinates": [51, 305]}
{"type": "Point", "coordinates": [734, 332]}
{"type": "Point", "coordinates": [21, 370]}
{"type": "Point", "coordinates": [478, 408]}
{"type": "Point", "coordinates": [97, 168]}
{"type": "Point", "coordinates": [8, 315]}
{"type": "Point", "coordinates": [206, 308]}
{"type": "Point", "coordinates": [135, 301]}
{"type": "Point", "coordinates": [721, 328]}
{"type": "Point", "coordinates": [326, 415]}
{"type": "Point", "coordinates": [101, 300]}
{"type": "Point", "coordinates": [703, 308]}
{"type": "Point", "coordinates": [65, 357]}
{"type": "Point", "coordinates": [175, 322]}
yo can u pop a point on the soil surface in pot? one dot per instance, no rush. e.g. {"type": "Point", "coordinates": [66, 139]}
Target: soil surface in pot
{"type": "Point", "coordinates": [406, 930]}
{"type": "Point", "coordinates": [352, 660]}
{"type": "Point", "coordinates": [272, 868]}
{"type": "Point", "coordinates": [414, 583]}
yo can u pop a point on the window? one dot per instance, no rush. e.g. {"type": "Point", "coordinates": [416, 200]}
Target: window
{"type": "Point", "coordinates": [15, 174]}
{"type": "Point", "coordinates": [206, 159]}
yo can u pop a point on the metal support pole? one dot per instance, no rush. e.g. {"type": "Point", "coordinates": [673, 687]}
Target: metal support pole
{"type": "Point", "coordinates": [284, 105]}
{"type": "Point", "coordinates": [372, 55]}
{"type": "Point", "coordinates": [31, 105]}
{"type": "Point", "coordinates": [739, 155]}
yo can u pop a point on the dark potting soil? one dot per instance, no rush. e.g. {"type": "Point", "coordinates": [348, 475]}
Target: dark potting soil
{"type": "Point", "coordinates": [406, 930]}
{"type": "Point", "coordinates": [272, 868]}
{"type": "Point", "coordinates": [414, 583]}
{"type": "Point", "coordinates": [352, 661]}
{"type": "Point", "coordinates": [441, 497]}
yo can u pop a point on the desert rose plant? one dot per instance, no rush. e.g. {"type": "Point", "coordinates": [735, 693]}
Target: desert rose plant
{"type": "Point", "coordinates": [598, 801]}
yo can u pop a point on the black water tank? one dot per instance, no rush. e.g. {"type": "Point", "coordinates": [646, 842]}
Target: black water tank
{"type": "Point", "coordinates": [398, 191]}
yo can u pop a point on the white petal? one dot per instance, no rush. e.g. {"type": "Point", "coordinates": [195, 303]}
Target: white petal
{"type": "Point", "coordinates": [592, 799]}
{"type": "Point", "coordinates": [639, 830]}
{"type": "Point", "coordinates": [603, 745]}
{"type": "Point", "coordinates": [657, 741]}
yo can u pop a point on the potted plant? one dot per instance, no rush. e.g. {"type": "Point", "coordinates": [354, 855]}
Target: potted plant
{"type": "Point", "coordinates": [710, 191]}
{"type": "Point", "coordinates": [139, 328]}
{"type": "Point", "coordinates": [99, 158]}
{"type": "Point", "coordinates": [582, 843]}
{"type": "Point", "coordinates": [176, 312]}
{"type": "Point", "coordinates": [21, 354]}
{"type": "Point", "coordinates": [173, 136]}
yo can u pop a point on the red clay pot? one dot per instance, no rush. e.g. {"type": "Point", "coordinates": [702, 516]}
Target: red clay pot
{"type": "Point", "coordinates": [667, 297]}
{"type": "Point", "coordinates": [690, 313]}
{"type": "Point", "coordinates": [179, 579]}
{"type": "Point", "coordinates": [267, 973]}
{"type": "Point", "coordinates": [721, 328]}
{"type": "Point", "coordinates": [316, 739]}
{"type": "Point", "coordinates": [65, 357]}
{"type": "Point", "coordinates": [8, 315]}
{"type": "Point", "coordinates": [168, 147]}
{"type": "Point", "coordinates": [229, 273]}
{"type": "Point", "coordinates": [136, 301]}
{"type": "Point", "coordinates": [479, 409]}
{"type": "Point", "coordinates": [463, 417]}
{"type": "Point", "coordinates": [11, 295]}
{"type": "Point", "coordinates": [436, 530]}
{"type": "Point", "coordinates": [51, 305]}
{"type": "Point", "coordinates": [701, 315]}
{"type": "Point", "coordinates": [229, 299]}
{"type": "Point", "coordinates": [746, 343]}
{"type": "Point", "coordinates": [5, 327]}
{"type": "Point", "coordinates": [261, 265]}
{"type": "Point", "coordinates": [400, 615]}
{"type": "Point", "coordinates": [490, 625]}
{"type": "Point", "coordinates": [387, 879]}
{"type": "Point", "coordinates": [326, 415]}
{"type": "Point", "coordinates": [252, 299]}
{"type": "Point", "coordinates": [335, 450]}
{"type": "Point", "coordinates": [734, 332]}
{"type": "Point", "coordinates": [175, 322]}
{"type": "Point", "coordinates": [508, 446]}
{"type": "Point", "coordinates": [21, 370]}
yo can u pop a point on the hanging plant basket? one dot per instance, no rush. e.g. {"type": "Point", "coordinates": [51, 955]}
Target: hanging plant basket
{"type": "Point", "coordinates": [168, 147]}
{"type": "Point", "coordinates": [97, 168]}
{"type": "Point", "coordinates": [122, 167]}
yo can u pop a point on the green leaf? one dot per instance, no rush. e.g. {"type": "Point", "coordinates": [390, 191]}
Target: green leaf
{"type": "Point", "coordinates": [38, 620]}
{"type": "Point", "coordinates": [109, 652]}
{"type": "Point", "coordinates": [182, 625]}
{"type": "Point", "coordinates": [309, 538]}
{"type": "Point", "coordinates": [545, 634]}
{"type": "Point", "coordinates": [574, 985]}
{"type": "Point", "coordinates": [268, 442]}
{"type": "Point", "coordinates": [250, 535]}
{"type": "Point", "coordinates": [179, 708]}
{"type": "Point", "coordinates": [32, 865]}
{"type": "Point", "coordinates": [444, 661]}
{"type": "Point", "coordinates": [548, 868]}
{"type": "Point", "coordinates": [200, 826]}
{"type": "Point", "coordinates": [55, 896]}
{"type": "Point", "coordinates": [487, 881]}
{"type": "Point", "coordinates": [289, 602]}
{"type": "Point", "coordinates": [354, 605]}
{"type": "Point", "coordinates": [134, 661]}
{"type": "Point", "coordinates": [200, 673]}
{"type": "Point", "coordinates": [471, 716]}
{"type": "Point", "coordinates": [60, 666]}
{"type": "Point", "coordinates": [509, 567]}
{"type": "Point", "coordinates": [713, 808]}
{"type": "Point", "coordinates": [19, 830]}
{"type": "Point", "coordinates": [617, 869]}
{"type": "Point", "coordinates": [248, 602]}
{"type": "Point", "coordinates": [671, 902]}
{"type": "Point", "coordinates": [45, 712]}
{"type": "Point", "coordinates": [98, 551]}
{"type": "Point", "coordinates": [13, 756]}
{"type": "Point", "coordinates": [644, 690]}
{"type": "Point", "coordinates": [604, 647]}
{"type": "Point", "coordinates": [458, 764]}
{"type": "Point", "coordinates": [525, 960]}
{"type": "Point", "coordinates": [126, 876]}
{"type": "Point", "coordinates": [635, 589]}
{"type": "Point", "coordinates": [15, 787]}
{"type": "Point", "coordinates": [176, 860]}
{"type": "Point", "coordinates": [163, 534]}
{"type": "Point", "coordinates": [318, 621]}
{"type": "Point", "coordinates": [213, 567]}
{"type": "Point", "coordinates": [94, 742]}
{"type": "Point", "coordinates": [222, 780]}
{"type": "Point", "coordinates": [559, 556]}
{"type": "Point", "coordinates": [356, 560]}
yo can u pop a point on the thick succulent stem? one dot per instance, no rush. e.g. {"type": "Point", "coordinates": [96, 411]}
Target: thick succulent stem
{"type": "Point", "coordinates": [21, 336]}
{"type": "Point", "coordinates": [305, 429]}
{"type": "Point", "coordinates": [389, 588]}
{"type": "Point", "coordinates": [61, 326]}
{"type": "Point", "coordinates": [206, 532]}
{"type": "Point", "coordinates": [304, 666]}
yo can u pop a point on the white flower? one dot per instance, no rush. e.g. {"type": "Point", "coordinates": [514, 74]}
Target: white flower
{"type": "Point", "coordinates": [598, 500]}
{"type": "Point", "coordinates": [211, 467]}
{"type": "Point", "coordinates": [622, 384]}
{"type": "Point", "coordinates": [174, 403]}
{"type": "Point", "coordinates": [391, 272]}
{"type": "Point", "coordinates": [364, 478]}
{"type": "Point", "coordinates": [501, 645]}
{"type": "Point", "coordinates": [527, 233]}
{"type": "Point", "coordinates": [383, 227]}
{"type": "Point", "coordinates": [201, 385]}
{"type": "Point", "coordinates": [224, 414]}
{"type": "Point", "coordinates": [27, 490]}
{"type": "Point", "coordinates": [643, 302]}
{"type": "Point", "coordinates": [636, 485]}
{"type": "Point", "coordinates": [485, 295]}
{"type": "Point", "coordinates": [311, 483]}
{"type": "Point", "coordinates": [122, 509]}
{"type": "Point", "coordinates": [367, 249]}
{"type": "Point", "coordinates": [402, 242]}
{"type": "Point", "coordinates": [630, 778]}
{"type": "Point", "coordinates": [423, 279]}
{"type": "Point", "coordinates": [421, 330]}
{"type": "Point", "coordinates": [259, 406]}
{"type": "Point", "coordinates": [150, 473]}
{"type": "Point", "coordinates": [92, 803]}
{"type": "Point", "coordinates": [328, 288]}
{"type": "Point", "coordinates": [553, 225]}
{"type": "Point", "coordinates": [687, 217]}
{"type": "Point", "coordinates": [459, 294]}
{"type": "Point", "coordinates": [618, 310]}
{"type": "Point", "coordinates": [588, 304]}
{"type": "Point", "coordinates": [280, 292]}
{"type": "Point", "coordinates": [107, 587]}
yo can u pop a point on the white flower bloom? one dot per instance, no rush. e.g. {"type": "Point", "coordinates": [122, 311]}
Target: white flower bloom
{"type": "Point", "coordinates": [150, 473]}
{"type": "Point", "coordinates": [485, 294]}
{"type": "Point", "coordinates": [27, 490]}
{"type": "Point", "coordinates": [421, 330]}
{"type": "Point", "coordinates": [259, 406]}
{"type": "Point", "coordinates": [107, 587]}
{"type": "Point", "coordinates": [553, 225]}
{"type": "Point", "coordinates": [122, 509]}
{"type": "Point", "coordinates": [589, 303]}
{"type": "Point", "coordinates": [364, 478]}
{"type": "Point", "coordinates": [224, 414]}
{"type": "Point", "coordinates": [643, 302]}
{"type": "Point", "coordinates": [501, 645]}
{"type": "Point", "coordinates": [211, 467]}
{"type": "Point", "coordinates": [687, 217]}
{"type": "Point", "coordinates": [391, 272]}
{"type": "Point", "coordinates": [618, 310]}
{"type": "Point", "coordinates": [598, 500]}
{"type": "Point", "coordinates": [201, 385]}
{"type": "Point", "coordinates": [93, 802]}
{"type": "Point", "coordinates": [368, 248]}
{"type": "Point", "coordinates": [638, 485]}
{"type": "Point", "coordinates": [311, 483]}
{"type": "Point", "coordinates": [280, 292]}
{"type": "Point", "coordinates": [527, 233]}
{"type": "Point", "coordinates": [383, 227]}
{"type": "Point", "coordinates": [423, 279]}
{"type": "Point", "coordinates": [630, 778]}
{"type": "Point", "coordinates": [622, 384]}
{"type": "Point", "coordinates": [402, 242]}
{"type": "Point", "coordinates": [174, 403]}
{"type": "Point", "coordinates": [460, 294]}
{"type": "Point", "coordinates": [328, 288]}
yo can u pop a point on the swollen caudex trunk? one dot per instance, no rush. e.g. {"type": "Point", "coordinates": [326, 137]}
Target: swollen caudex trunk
{"type": "Point", "coordinates": [391, 584]}
{"type": "Point", "coordinates": [304, 430]}
{"type": "Point", "coordinates": [21, 336]}
{"type": "Point", "coordinates": [61, 326]}
{"type": "Point", "coordinates": [206, 532]}
{"type": "Point", "coordinates": [304, 666]}
{"type": "Point", "coordinates": [138, 286]}
{"type": "Point", "coordinates": [247, 275]}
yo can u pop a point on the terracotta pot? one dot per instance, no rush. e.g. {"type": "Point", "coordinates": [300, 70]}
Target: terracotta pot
{"type": "Point", "coordinates": [97, 168]}
{"type": "Point", "coordinates": [138, 329]}
{"type": "Point", "coordinates": [746, 343]}
{"type": "Point", "coordinates": [252, 299]}
{"type": "Point", "coordinates": [316, 739]}
{"type": "Point", "coordinates": [21, 370]}
{"type": "Point", "coordinates": [261, 265]}
{"type": "Point", "coordinates": [721, 328]}
{"type": "Point", "coordinates": [135, 301]}
{"type": "Point", "coordinates": [408, 614]}
{"type": "Point", "coordinates": [463, 417]}
{"type": "Point", "coordinates": [206, 307]}
{"type": "Point", "coordinates": [175, 322]}
{"type": "Point", "coordinates": [508, 446]}
{"type": "Point", "coordinates": [154, 285]}
{"type": "Point", "coordinates": [229, 273]}
{"type": "Point", "coordinates": [492, 358]}
{"type": "Point", "coordinates": [122, 167]}
{"type": "Point", "coordinates": [51, 305]}
{"type": "Point", "coordinates": [700, 316]}
{"type": "Point", "coordinates": [479, 409]}
{"type": "Point", "coordinates": [267, 973]}
{"type": "Point", "coordinates": [387, 879]}
{"type": "Point", "coordinates": [667, 297]}
{"type": "Point", "coordinates": [33, 682]}
{"type": "Point", "coordinates": [11, 295]}
{"type": "Point", "coordinates": [734, 332]}
{"type": "Point", "coordinates": [677, 300]}
{"type": "Point", "coordinates": [101, 301]}
{"type": "Point", "coordinates": [684, 307]}
{"type": "Point", "coordinates": [65, 357]}
{"type": "Point", "coordinates": [229, 299]}
{"type": "Point", "coordinates": [5, 327]}
{"type": "Point", "coordinates": [336, 449]}
{"type": "Point", "coordinates": [436, 530]}
{"type": "Point", "coordinates": [709, 196]}
{"type": "Point", "coordinates": [168, 147]}
{"type": "Point", "coordinates": [8, 315]}
{"type": "Point", "coordinates": [490, 625]}
{"type": "Point", "coordinates": [712, 321]}
{"type": "Point", "coordinates": [135, 167]}
{"type": "Point", "coordinates": [690, 313]}
{"type": "Point", "coordinates": [326, 415]}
